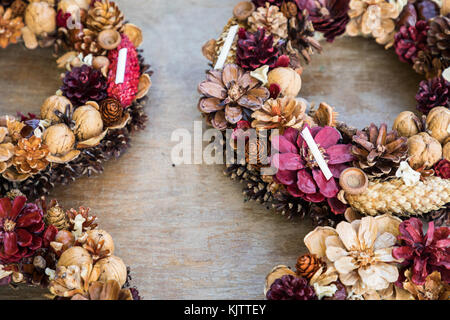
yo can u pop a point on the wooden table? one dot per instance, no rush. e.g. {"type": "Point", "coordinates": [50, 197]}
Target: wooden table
{"type": "Point", "coordinates": [186, 231]}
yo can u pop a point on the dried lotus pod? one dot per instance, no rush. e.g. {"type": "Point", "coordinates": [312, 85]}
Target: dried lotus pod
{"type": "Point", "coordinates": [407, 124]}
{"type": "Point", "coordinates": [438, 123]}
{"type": "Point", "coordinates": [423, 151]}
{"type": "Point", "coordinates": [277, 273]}
{"type": "Point", "coordinates": [40, 18]}
{"type": "Point", "coordinates": [109, 39]}
{"type": "Point", "coordinates": [243, 10]}
{"type": "Point", "coordinates": [75, 256]}
{"type": "Point", "coordinates": [111, 268]}
{"type": "Point", "coordinates": [52, 104]}
{"type": "Point", "coordinates": [133, 33]}
{"type": "Point", "coordinates": [288, 79]}
{"type": "Point", "coordinates": [325, 115]}
{"type": "Point", "coordinates": [88, 122]}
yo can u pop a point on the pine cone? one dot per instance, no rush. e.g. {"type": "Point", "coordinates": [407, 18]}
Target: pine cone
{"type": "Point", "coordinates": [291, 288]}
{"type": "Point", "coordinates": [255, 50]}
{"type": "Point", "coordinates": [417, 10]}
{"type": "Point", "coordinates": [84, 84]}
{"type": "Point", "coordinates": [88, 224]}
{"type": "Point", "coordinates": [433, 93]}
{"type": "Point", "coordinates": [105, 15]}
{"type": "Point", "coordinates": [271, 19]}
{"type": "Point", "coordinates": [301, 41]}
{"type": "Point", "coordinates": [410, 40]}
{"type": "Point", "coordinates": [138, 117]}
{"type": "Point", "coordinates": [10, 28]}
{"type": "Point", "coordinates": [57, 217]}
{"type": "Point", "coordinates": [322, 216]}
{"type": "Point", "coordinates": [231, 58]}
{"type": "Point", "coordinates": [429, 66]}
{"type": "Point", "coordinates": [441, 218]}
{"type": "Point", "coordinates": [395, 197]}
{"type": "Point", "coordinates": [111, 111]}
{"type": "Point", "coordinates": [307, 265]}
{"type": "Point", "coordinates": [18, 8]}
{"type": "Point", "coordinates": [262, 3]}
{"type": "Point", "coordinates": [439, 37]}
{"type": "Point", "coordinates": [85, 41]}
{"type": "Point", "coordinates": [378, 152]}
{"type": "Point", "coordinates": [30, 156]}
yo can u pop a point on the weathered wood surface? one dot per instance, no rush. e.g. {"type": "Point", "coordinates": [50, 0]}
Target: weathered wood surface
{"type": "Point", "coordinates": [186, 231]}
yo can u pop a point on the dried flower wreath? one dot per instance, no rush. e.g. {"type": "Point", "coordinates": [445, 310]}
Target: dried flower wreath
{"type": "Point", "coordinates": [351, 182]}
{"type": "Point", "coordinates": [99, 106]}
{"type": "Point", "coordinates": [41, 244]}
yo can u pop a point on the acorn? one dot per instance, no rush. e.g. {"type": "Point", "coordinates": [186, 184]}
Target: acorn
{"type": "Point", "coordinates": [354, 181]}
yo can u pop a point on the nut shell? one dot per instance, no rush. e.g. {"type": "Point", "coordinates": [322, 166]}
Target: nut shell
{"type": "Point", "coordinates": [88, 122]}
{"type": "Point", "coordinates": [101, 235]}
{"type": "Point", "coordinates": [289, 81]}
{"type": "Point", "coordinates": [243, 10]}
{"type": "Point", "coordinates": [66, 238]}
{"type": "Point", "coordinates": [133, 33]}
{"type": "Point", "coordinates": [75, 256]}
{"type": "Point", "coordinates": [354, 181]}
{"type": "Point", "coordinates": [112, 268]}
{"type": "Point", "coordinates": [52, 104]}
{"type": "Point", "coordinates": [59, 139]}
{"type": "Point", "coordinates": [407, 124]}
{"type": "Point", "coordinates": [438, 123]}
{"type": "Point", "coordinates": [424, 151]}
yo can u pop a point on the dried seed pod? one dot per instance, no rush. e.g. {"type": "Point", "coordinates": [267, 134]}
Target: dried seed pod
{"type": "Point", "coordinates": [112, 268]}
{"type": "Point", "coordinates": [407, 124]}
{"type": "Point", "coordinates": [289, 81]}
{"type": "Point", "coordinates": [243, 10]}
{"type": "Point", "coordinates": [209, 50]}
{"type": "Point", "coordinates": [40, 18]}
{"type": "Point", "coordinates": [354, 181]}
{"type": "Point", "coordinates": [438, 123]}
{"type": "Point", "coordinates": [424, 151]}
{"type": "Point", "coordinates": [66, 239]}
{"type": "Point", "coordinates": [100, 242]}
{"type": "Point", "coordinates": [109, 39]}
{"type": "Point", "coordinates": [133, 33]}
{"type": "Point", "coordinates": [59, 139]}
{"type": "Point", "coordinates": [88, 122]}
{"type": "Point", "coordinates": [325, 115]}
{"type": "Point", "coordinates": [52, 104]}
{"type": "Point", "coordinates": [101, 63]}
{"type": "Point", "coordinates": [75, 256]}
{"type": "Point", "coordinates": [144, 86]}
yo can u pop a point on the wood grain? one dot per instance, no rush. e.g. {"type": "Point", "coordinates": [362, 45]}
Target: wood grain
{"type": "Point", "coordinates": [186, 231]}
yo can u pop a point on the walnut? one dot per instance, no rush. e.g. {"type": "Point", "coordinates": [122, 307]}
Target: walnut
{"type": "Point", "coordinates": [438, 123]}
{"type": "Point", "coordinates": [59, 139]}
{"type": "Point", "coordinates": [407, 124]}
{"type": "Point", "coordinates": [88, 122]}
{"type": "Point", "coordinates": [40, 18]}
{"type": "Point", "coordinates": [423, 151]}
{"type": "Point", "coordinates": [52, 104]}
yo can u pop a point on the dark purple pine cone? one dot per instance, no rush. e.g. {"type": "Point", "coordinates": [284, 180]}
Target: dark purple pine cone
{"type": "Point", "coordinates": [328, 16]}
{"type": "Point", "coordinates": [84, 84]}
{"type": "Point", "coordinates": [255, 50]}
{"type": "Point", "coordinates": [433, 93]}
{"type": "Point", "coordinates": [262, 3]}
{"type": "Point", "coordinates": [410, 40]}
{"type": "Point", "coordinates": [290, 287]}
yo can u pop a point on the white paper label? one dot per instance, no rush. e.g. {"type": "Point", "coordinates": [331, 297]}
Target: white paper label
{"type": "Point", "coordinates": [306, 134]}
{"type": "Point", "coordinates": [121, 65]}
{"type": "Point", "coordinates": [226, 47]}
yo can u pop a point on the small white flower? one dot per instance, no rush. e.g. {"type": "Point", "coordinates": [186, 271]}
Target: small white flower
{"type": "Point", "coordinates": [50, 273]}
{"type": "Point", "coordinates": [78, 226]}
{"type": "Point", "coordinates": [409, 176]}
{"type": "Point", "coordinates": [324, 291]}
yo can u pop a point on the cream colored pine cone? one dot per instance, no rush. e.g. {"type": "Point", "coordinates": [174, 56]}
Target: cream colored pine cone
{"type": "Point", "coordinates": [271, 19]}
{"type": "Point", "coordinates": [395, 197]}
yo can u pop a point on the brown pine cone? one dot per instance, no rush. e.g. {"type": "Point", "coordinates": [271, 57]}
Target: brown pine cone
{"type": "Point", "coordinates": [430, 66]}
{"type": "Point", "coordinates": [379, 152]}
{"type": "Point", "coordinates": [18, 8]}
{"type": "Point", "coordinates": [30, 156]}
{"type": "Point", "coordinates": [271, 19]}
{"type": "Point", "coordinates": [111, 111]}
{"type": "Point", "coordinates": [439, 37]}
{"type": "Point", "coordinates": [57, 217]}
{"type": "Point", "coordinates": [10, 28]}
{"type": "Point", "coordinates": [104, 15]}
{"type": "Point", "coordinates": [85, 41]}
{"type": "Point", "coordinates": [307, 265]}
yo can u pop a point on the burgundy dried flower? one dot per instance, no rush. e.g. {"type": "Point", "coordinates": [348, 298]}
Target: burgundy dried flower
{"type": "Point", "coordinates": [62, 18]}
{"type": "Point", "coordinates": [328, 16]}
{"type": "Point", "coordinates": [424, 253]}
{"type": "Point", "coordinates": [442, 169]}
{"type": "Point", "coordinates": [299, 171]}
{"type": "Point", "coordinates": [290, 287]}
{"type": "Point", "coordinates": [433, 93]}
{"type": "Point", "coordinates": [21, 225]}
{"type": "Point", "coordinates": [255, 50]}
{"type": "Point", "coordinates": [83, 84]}
{"type": "Point", "coordinates": [410, 40]}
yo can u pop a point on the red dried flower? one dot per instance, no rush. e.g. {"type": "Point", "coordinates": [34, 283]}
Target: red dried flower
{"type": "Point", "coordinates": [255, 50]}
{"type": "Point", "coordinates": [62, 18]}
{"type": "Point", "coordinates": [410, 40]}
{"type": "Point", "coordinates": [433, 93]}
{"type": "Point", "coordinates": [424, 253]}
{"type": "Point", "coordinates": [299, 171]}
{"type": "Point", "coordinates": [21, 225]}
{"type": "Point", "coordinates": [124, 92]}
{"type": "Point", "coordinates": [442, 169]}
